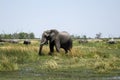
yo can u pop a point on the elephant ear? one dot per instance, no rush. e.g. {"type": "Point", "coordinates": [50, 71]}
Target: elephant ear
{"type": "Point", "coordinates": [53, 34]}
{"type": "Point", "coordinates": [47, 33]}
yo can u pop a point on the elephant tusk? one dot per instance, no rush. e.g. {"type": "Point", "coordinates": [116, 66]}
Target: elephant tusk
{"type": "Point", "coordinates": [42, 44]}
{"type": "Point", "coordinates": [45, 42]}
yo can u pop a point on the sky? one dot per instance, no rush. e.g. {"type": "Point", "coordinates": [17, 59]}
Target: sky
{"type": "Point", "coordinates": [77, 17]}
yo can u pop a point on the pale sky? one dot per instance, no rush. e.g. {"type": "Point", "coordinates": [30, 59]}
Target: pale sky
{"type": "Point", "coordinates": [78, 17]}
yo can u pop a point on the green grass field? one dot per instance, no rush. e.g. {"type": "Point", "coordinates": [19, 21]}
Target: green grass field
{"type": "Point", "coordinates": [89, 61]}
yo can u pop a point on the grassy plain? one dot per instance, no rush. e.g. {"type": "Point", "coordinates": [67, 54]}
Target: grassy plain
{"type": "Point", "coordinates": [88, 61]}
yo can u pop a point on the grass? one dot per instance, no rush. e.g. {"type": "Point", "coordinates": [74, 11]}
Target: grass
{"type": "Point", "coordinates": [86, 61]}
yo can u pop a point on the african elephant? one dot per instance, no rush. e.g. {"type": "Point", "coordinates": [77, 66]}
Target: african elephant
{"type": "Point", "coordinates": [26, 42]}
{"type": "Point", "coordinates": [57, 39]}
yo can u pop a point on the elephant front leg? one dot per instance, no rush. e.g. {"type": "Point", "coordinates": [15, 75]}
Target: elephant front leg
{"type": "Point", "coordinates": [51, 48]}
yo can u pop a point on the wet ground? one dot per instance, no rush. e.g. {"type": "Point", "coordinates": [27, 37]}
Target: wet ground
{"type": "Point", "coordinates": [71, 74]}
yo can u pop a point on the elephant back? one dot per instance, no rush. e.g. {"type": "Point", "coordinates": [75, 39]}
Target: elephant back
{"type": "Point", "coordinates": [64, 36]}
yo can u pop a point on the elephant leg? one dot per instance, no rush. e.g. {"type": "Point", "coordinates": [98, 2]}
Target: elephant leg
{"type": "Point", "coordinates": [57, 45]}
{"type": "Point", "coordinates": [51, 48]}
{"type": "Point", "coordinates": [66, 51]}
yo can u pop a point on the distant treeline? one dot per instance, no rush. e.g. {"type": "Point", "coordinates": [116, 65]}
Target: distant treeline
{"type": "Point", "coordinates": [21, 35]}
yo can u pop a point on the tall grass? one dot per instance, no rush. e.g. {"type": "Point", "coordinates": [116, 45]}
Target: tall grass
{"type": "Point", "coordinates": [8, 64]}
{"type": "Point", "coordinates": [11, 55]}
{"type": "Point", "coordinates": [100, 57]}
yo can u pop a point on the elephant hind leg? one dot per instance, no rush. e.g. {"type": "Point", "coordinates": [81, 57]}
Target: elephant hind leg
{"type": "Point", "coordinates": [66, 51]}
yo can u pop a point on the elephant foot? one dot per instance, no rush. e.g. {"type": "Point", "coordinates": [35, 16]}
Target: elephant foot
{"type": "Point", "coordinates": [40, 54]}
{"type": "Point", "coordinates": [50, 53]}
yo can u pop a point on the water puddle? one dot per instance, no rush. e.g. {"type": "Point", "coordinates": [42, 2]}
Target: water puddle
{"type": "Point", "coordinates": [114, 78]}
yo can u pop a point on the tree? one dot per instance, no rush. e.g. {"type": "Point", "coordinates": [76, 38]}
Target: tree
{"type": "Point", "coordinates": [31, 36]}
{"type": "Point", "coordinates": [98, 36]}
{"type": "Point", "coordinates": [84, 37]}
{"type": "Point", "coordinates": [21, 35]}
{"type": "Point", "coordinates": [15, 36]}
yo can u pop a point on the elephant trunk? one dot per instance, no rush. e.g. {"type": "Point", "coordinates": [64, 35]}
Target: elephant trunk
{"type": "Point", "coordinates": [41, 46]}
{"type": "Point", "coordinates": [40, 49]}
{"type": "Point", "coordinates": [44, 41]}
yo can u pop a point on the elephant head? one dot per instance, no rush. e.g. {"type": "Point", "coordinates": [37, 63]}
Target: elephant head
{"type": "Point", "coordinates": [48, 35]}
